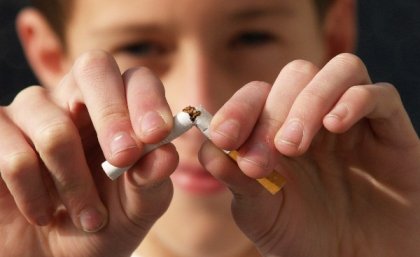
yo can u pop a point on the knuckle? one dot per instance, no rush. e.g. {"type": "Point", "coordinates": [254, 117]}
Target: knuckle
{"type": "Point", "coordinates": [301, 67]}
{"type": "Point", "coordinates": [316, 96]}
{"type": "Point", "coordinates": [71, 188]}
{"type": "Point", "coordinates": [394, 101]}
{"type": "Point", "coordinates": [390, 89]}
{"type": "Point", "coordinates": [140, 70]}
{"type": "Point", "coordinates": [92, 58]}
{"type": "Point", "coordinates": [33, 202]}
{"type": "Point", "coordinates": [113, 112]}
{"type": "Point", "coordinates": [258, 85]}
{"type": "Point", "coordinates": [73, 192]}
{"type": "Point", "coordinates": [92, 64]}
{"type": "Point", "coordinates": [26, 95]}
{"type": "Point", "coordinates": [145, 76]}
{"type": "Point", "coordinates": [254, 91]}
{"type": "Point", "coordinates": [351, 62]}
{"type": "Point", "coordinates": [361, 92]}
{"type": "Point", "coordinates": [16, 165]}
{"type": "Point", "coordinates": [55, 137]}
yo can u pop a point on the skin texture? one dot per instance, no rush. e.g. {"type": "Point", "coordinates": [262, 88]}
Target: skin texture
{"type": "Point", "coordinates": [345, 145]}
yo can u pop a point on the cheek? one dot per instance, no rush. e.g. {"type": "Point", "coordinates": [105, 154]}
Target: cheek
{"type": "Point", "coordinates": [262, 65]}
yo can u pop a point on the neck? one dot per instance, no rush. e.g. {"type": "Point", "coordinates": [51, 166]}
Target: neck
{"type": "Point", "coordinates": [153, 247]}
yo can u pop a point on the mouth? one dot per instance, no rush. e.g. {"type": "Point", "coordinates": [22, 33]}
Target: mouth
{"type": "Point", "coordinates": [195, 179]}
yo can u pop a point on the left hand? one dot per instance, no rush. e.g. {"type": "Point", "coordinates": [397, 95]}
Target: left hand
{"type": "Point", "coordinates": [347, 149]}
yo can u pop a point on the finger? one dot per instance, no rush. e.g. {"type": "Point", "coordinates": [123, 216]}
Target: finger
{"type": "Point", "coordinates": [234, 122]}
{"type": "Point", "coordinates": [381, 104]}
{"type": "Point", "coordinates": [68, 96]}
{"type": "Point", "coordinates": [149, 111]}
{"type": "Point", "coordinates": [98, 77]}
{"type": "Point", "coordinates": [316, 100]}
{"type": "Point", "coordinates": [258, 155]}
{"type": "Point", "coordinates": [22, 175]}
{"type": "Point", "coordinates": [226, 170]}
{"type": "Point", "coordinates": [58, 143]}
{"type": "Point", "coordinates": [254, 209]}
{"type": "Point", "coordinates": [147, 190]}
{"type": "Point", "coordinates": [138, 199]}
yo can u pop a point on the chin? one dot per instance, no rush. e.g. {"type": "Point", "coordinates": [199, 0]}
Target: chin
{"type": "Point", "coordinates": [195, 225]}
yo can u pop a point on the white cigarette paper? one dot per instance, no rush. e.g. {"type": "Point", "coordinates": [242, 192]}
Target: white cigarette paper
{"type": "Point", "coordinates": [202, 121]}
{"type": "Point", "coordinates": [182, 123]}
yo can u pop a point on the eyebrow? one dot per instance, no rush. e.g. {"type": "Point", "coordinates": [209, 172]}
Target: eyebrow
{"type": "Point", "coordinates": [245, 14]}
{"type": "Point", "coordinates": [255, 13]}
{"type": "Point", "coordinates": [129, 29]}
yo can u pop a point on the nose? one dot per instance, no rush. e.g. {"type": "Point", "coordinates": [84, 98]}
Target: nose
{"type": "Point", "coordinates": [197, 77]}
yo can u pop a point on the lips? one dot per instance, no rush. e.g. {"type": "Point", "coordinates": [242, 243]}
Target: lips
{"type": "Point", "coordinates": [195, 179]}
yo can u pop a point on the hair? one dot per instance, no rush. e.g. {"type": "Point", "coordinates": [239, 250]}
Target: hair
{"type": "Point", "coordinates": [322, 7]}
{"type": "Point", "coordinates": [58, 12]}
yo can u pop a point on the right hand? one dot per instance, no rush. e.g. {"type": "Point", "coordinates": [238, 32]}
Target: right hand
{"type": "Point", "coordinates": [53, 192]}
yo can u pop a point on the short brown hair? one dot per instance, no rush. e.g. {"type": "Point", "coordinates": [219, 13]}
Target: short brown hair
{"type": "Point", "coordinates": [322, 7]}
{"type": "Point", "coordinates": [58, 12]}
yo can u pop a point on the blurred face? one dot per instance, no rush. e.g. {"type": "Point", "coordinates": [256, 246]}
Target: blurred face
{"type": "Point", "coordinates": [203, 51]}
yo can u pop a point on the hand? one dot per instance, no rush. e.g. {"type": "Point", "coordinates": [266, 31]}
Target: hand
{"type": "Point", "coordinates": [349, 154]}
{"type": "Point", "coordinates": [53, 193]}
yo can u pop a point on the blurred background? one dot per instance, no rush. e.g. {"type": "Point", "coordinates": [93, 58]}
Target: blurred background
{"type": "Point", "coordinates": [389, 43]}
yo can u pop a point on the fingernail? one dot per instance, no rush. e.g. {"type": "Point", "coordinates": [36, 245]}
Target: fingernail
{"type": "Point", "coordinates": [259, 155]}
{"type": "Point", "coordinates": [91, 220]}
{"type": "Point", "coordinates": [151, 122]}
{"type": "Point", "coordinates": [121, 142]}
{"type": "Point", "coordinates": [292, 133]}
{"type": "Point", "coordinates": [229, 129]}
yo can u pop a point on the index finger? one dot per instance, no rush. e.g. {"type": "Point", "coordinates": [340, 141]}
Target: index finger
{"type": "Point", "coordinates": [306, 114]}
{"type": "Point", "coordinates": [126, 110]}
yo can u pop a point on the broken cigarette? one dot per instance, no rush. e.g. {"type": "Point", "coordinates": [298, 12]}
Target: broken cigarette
{"type": "Point", "coordinates": [202, 118]}
{"type": "Point", "coordinates": [182, 123]}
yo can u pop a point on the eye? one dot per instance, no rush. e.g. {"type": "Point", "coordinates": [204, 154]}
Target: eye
{"type": "Point", "coordinates": [252, 39]}
{"type": "Point", "coordinates": [144, 49]}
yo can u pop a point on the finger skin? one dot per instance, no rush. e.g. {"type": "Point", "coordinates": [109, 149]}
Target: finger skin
{"type": "Point", "coordinates": [21, 173]}
{"type": "Point", "coordinates": [251, 202]}
{"type": "Point", "coordinates": [99, 80]}
{"type": "Point", "coordinates": [227, 170]}
{"type": "Point", "coordinates": [147, 189]}
{"type": "Point", "coordinates": [381, 104]}
{"type": "Point", "coordinates": [234, 122]}
{"type": "Point", "coordinates": [292, 79]}
{"type": "Point", "coordinates": [260, 154]}
{"type": "Point", "coordinates": [59, 146]}
{"type": "Point", "coordinates": [257, 153]}
{"type": "Point", "coordinates": [316, 100]}
{"type": "Point", "coordinates": [149, 111]}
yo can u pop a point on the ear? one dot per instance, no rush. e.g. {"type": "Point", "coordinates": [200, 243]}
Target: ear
{"type": "Point", "coordinates": [340, 27]}
{"type": "Point", "coordinates": [43, 49]}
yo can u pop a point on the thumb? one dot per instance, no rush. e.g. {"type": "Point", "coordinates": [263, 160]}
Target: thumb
{"type": "Point", "coordinates": [255, 210]}
{"type": "Point", "coordinates": [146, 190]}
{"type": "Point", "coordinates": [134, 202]}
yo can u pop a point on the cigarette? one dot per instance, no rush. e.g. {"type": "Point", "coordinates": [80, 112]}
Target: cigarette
{"type": "Point", "coordinates": [201, 118]}
{"type": "Point", "coordinates": [182, 123]}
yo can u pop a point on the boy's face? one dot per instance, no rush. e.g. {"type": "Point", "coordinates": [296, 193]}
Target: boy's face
{"type": "Point", "coordinates": [209, 46]}
{"type": "Point", "coordinates": [203, 51]}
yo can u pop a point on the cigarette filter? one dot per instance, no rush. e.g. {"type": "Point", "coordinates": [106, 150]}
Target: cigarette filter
{"type": "Point", "coordinates": [182, 123]}
{"type": "Point", "coordinates": [202, 118]}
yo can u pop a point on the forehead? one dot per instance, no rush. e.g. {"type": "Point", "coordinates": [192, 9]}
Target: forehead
{"type": "Point", "coordinates": [104, 12]}
{"type": "Point", "coordinates": [97, 21]}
